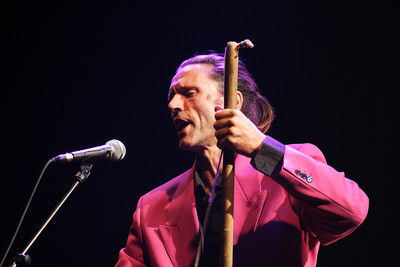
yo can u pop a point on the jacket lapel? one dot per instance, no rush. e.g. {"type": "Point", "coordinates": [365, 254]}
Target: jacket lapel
{"type": "Point", "coordinates": [248, 203]}
{"type": "Point", "coordinates": [181, 228]}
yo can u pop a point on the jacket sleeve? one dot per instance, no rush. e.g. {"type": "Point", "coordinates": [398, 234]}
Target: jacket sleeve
{"type": "Point", "coordinates": [132, 255]}
{"type": "Point", "coordinates": [329, 205]}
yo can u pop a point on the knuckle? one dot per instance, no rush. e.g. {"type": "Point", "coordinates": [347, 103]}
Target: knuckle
{"type": "Point", "coordinates": [232, 112]}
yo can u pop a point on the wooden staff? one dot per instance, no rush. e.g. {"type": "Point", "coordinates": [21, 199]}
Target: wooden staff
{"type": "Point", "coordinates": [230, 101]}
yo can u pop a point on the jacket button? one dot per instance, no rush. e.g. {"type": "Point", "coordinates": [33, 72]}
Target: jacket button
{"type": "Point", "coordinates": [304, 176]}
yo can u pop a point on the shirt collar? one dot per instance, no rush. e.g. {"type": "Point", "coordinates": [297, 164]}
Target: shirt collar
{"type": "Point", "coordinates": [198, 183]}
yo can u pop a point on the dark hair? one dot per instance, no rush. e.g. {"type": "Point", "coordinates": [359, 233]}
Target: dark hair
{"type": "Point", "coordinates": [255, 106]}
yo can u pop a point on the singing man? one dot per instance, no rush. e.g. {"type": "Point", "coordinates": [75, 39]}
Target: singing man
{"type": "Point", "coordinates": [287, 200]}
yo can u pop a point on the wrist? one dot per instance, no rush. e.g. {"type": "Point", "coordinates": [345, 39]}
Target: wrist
{"type": "Point", "coordinates": [259, 143]}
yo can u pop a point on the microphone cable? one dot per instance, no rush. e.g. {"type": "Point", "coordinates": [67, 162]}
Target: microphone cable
{"type": "Point", "coordinates": [25, 211]}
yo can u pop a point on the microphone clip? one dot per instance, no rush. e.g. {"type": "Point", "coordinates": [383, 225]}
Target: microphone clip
{"type": "Point", "coordinates": [83, 174]}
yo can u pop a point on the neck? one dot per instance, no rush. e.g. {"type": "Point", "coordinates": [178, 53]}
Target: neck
{"type": "Point", "coordinates": [206, 166]}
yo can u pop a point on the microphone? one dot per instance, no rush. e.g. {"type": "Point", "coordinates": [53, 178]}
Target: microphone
{"type": "Point", "coordinates": [113, 150]}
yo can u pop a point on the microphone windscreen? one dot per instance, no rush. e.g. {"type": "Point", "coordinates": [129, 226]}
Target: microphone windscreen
{"type": "Point", "coordinates": [118, 150]}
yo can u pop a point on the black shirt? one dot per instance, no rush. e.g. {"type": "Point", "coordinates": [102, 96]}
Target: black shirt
{"type": "Point", "coordinates": [212, 239]}
{"type": "Point", "coordinates": [269, 160]}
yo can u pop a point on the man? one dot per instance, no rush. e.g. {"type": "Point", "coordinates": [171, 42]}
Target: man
{"type": "Point", "coordinates": [287, 200]}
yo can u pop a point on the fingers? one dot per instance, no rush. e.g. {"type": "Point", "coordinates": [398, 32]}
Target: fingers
{"type": "Point", "coordinates": [221, 113]}
{"type": "Point", "coordinates": [224, 122]}
{"type": "Point", "coordinates": [224, 117]}
{"type": "Point", "coordinates": [224, 132]}
{"type": "Point", "coordinates": [225, 126]}
{"type": "Point", "coordinates": [236, 132]}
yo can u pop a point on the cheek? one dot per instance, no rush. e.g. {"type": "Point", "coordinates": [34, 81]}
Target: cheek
{"type": "Point", "coordinates": [206, 112]}
{"type": "Point", "coordinates": [216, 99]}
{"type": "Point", "coordinates": [207, 117]}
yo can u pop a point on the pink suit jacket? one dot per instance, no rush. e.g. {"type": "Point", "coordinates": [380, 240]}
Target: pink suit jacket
{"type": "Point", "coordinates": [278, 221]}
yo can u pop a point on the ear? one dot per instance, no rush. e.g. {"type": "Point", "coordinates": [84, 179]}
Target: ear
{"type": "Point", "coordinates": [239, 102]}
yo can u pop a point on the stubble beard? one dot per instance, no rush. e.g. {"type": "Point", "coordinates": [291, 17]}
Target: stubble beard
{"type": "Point", "coordinates": [196, 142]}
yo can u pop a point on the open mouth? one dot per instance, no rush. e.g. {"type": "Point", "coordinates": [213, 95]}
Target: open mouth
{"type": "Point", "coordinates": [180, 124]}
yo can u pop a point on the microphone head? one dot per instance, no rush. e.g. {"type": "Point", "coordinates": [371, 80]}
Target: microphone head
{"type": "Point", "coordinates": [118, 150]}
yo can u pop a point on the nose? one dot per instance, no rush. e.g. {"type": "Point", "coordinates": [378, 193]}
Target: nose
{"type": "Point", "coordinates": [176, 104]}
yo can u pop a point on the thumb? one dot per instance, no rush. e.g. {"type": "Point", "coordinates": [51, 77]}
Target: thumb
{"type": "Point", "coordinates": [218, 108]}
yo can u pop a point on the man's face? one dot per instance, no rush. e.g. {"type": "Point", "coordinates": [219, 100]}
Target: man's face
{"type": "Point", "coordinates": [193, 96]}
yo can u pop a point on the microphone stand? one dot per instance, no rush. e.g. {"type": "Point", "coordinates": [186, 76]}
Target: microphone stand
{"type": "Point", "coordinates": [82, 175]}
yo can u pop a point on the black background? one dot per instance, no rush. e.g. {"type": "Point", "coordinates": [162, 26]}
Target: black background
{"type": "Point", "coordinates": [77, 74]}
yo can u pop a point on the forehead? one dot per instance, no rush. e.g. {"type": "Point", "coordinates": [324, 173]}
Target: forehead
{"type": "Point", "coordinates": [192, 76]}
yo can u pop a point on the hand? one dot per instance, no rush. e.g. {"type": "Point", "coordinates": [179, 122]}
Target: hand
{"type": "Point", "coordinates": [236, 132]}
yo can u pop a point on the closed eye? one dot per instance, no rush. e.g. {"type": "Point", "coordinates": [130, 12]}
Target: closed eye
{"type": "Point", "coordinates": [190, 93]}
{"type": "Point", "coordinates": [186, 92]}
